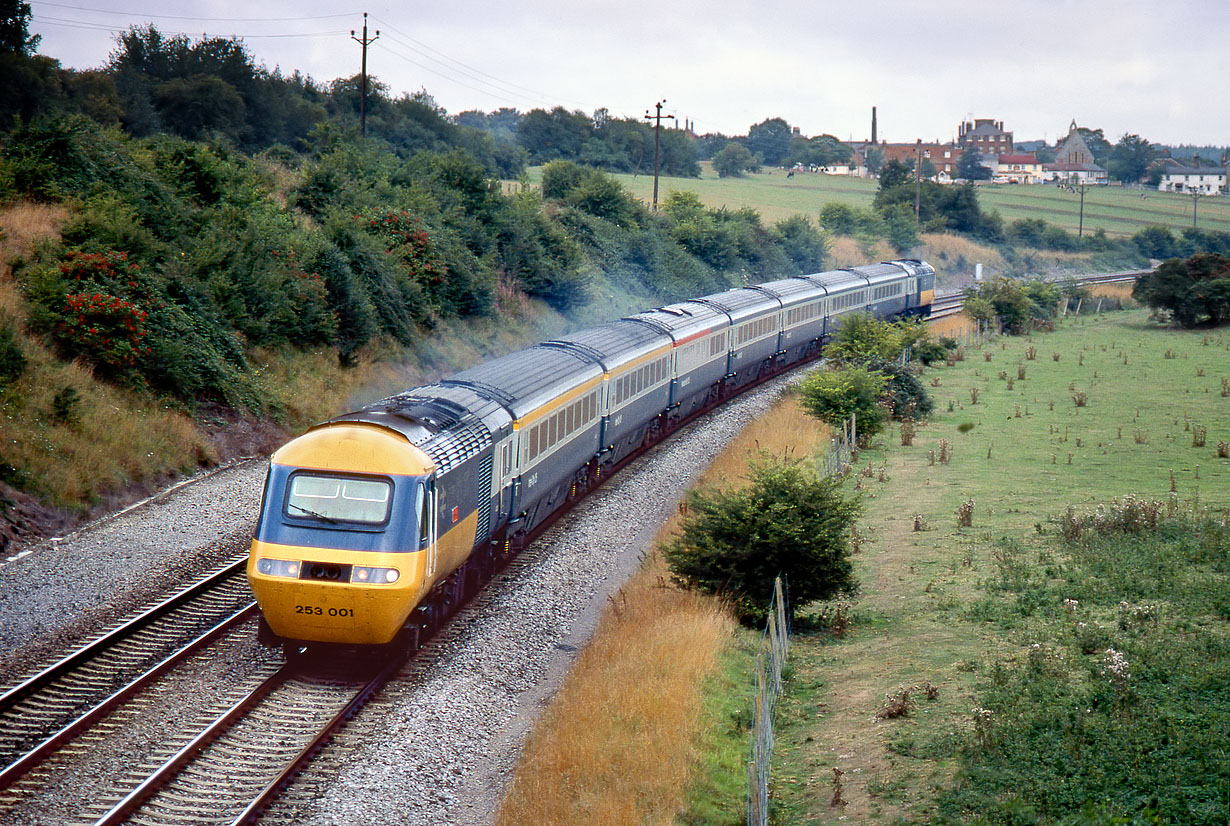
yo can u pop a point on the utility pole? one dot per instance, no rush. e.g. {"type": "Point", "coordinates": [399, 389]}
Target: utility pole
{"type": "Point", "coordinates": [364, 42]}
{"type": "Point", "coordinates": [1195, 198]}
{"type": "Point", "coordinates": [657, 142]}
{"type": "Point", "coordinates": [918, 182]}
{"type": "Point", "coordinates": [1080, 230]}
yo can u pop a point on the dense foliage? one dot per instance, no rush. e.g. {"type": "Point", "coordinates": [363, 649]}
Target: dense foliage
{"type": "Point", "coordinates": [1193, 291]}
{"type": "Point", "coordinates": [833, 395]}
{"type": "Point", "coordinates": [787, 521]}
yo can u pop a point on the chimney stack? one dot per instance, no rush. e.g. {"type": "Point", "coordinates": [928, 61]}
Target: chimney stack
{"type": "Point", "coordinates": [873, 125]}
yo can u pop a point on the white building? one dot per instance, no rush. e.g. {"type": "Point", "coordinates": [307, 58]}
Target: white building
{"type": "Point", "coordinates": [1206, 178]}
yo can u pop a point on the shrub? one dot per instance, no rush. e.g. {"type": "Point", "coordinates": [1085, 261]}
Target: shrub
{"type": "Point", "coordinates": [832, 395]}
{"type": "Point", "coordinates": [787, 521]}
{"type": "Point", "coordinates": [12, 360]}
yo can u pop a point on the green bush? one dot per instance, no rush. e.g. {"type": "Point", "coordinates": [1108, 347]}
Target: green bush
{"type": "Point", "coordinates": [833, 395]}
{"type": "Point", "coordinates": [12, 360]}
{"type": "Point", "coordinates": [787, 521]}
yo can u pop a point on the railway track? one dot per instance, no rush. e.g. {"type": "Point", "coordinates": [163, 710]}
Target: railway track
{"type": "Point", "coordinates": [950, 304]}
{"type": "Point", "coordinates": [46, 711]}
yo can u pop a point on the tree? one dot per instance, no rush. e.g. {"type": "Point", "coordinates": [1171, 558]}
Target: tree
{"type": "Point", "coordinates": [1130, 158]}
{"type": "Point", "coordinates": [894, 173]}
{"type": "Point", "coordinates": [1097, 143]}
{"type": "Point", "coordinates": [970, 166]}
{"type": "Point", "coordinates": [732, 160]}
{"type": "Point", "coordinates": [832, 395]}
{"type": "Point", "coordinates": [770, 139]}
{"type": "Point", "coordinates": [788, 521]}
{"type": "Point", "coordinates": [804, 245]}
{"type": "Point", "coordinates": [823, 150]}
{"type": "Point", "coordinates": [15, 29]}
{"type": "Point", "coordinates": [873, 159]}
{"type": "Point", "coordinates": [1195, 290]}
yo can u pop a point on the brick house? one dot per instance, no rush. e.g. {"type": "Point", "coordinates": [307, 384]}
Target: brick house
{"type": "Point", "coordinates": [986, 136]}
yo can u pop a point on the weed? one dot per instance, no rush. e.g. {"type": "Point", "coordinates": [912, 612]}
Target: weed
{"type": "Point", "coordinates": [1199, 433]}
{"type": "Point", "coordinates": [973, 395]}
{"type": "Point", "coordinates": [1079, 398]}
{"type": "Point", "coordinates": [965, 514]}
{"type": "Point", "coordinates": [920, 524]}
{"type": "Point", "coordinates": [908, 429]}
{"type": "Point", "coordinates": [1031, 353]}
{"type": "Point", "coordinates": [1223, 450]}
{"type": "Point", "coordinates": [1020, 372]}
{"type": "Point", "coordinates": [897, 704]}
{"type": "Point", "coordinates": [986, 356]}
{"type": "Point", "coordinates": [945, 451]}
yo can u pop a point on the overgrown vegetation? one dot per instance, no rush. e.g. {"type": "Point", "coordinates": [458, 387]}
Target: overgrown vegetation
{"type": "Point", "coordinates": [787, 521]}
{"type": "Point", "coordinates": [1193, 291]}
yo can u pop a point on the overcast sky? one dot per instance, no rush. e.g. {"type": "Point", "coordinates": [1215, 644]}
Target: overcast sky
{"type": "Point", "coordinates": [1157, 68]}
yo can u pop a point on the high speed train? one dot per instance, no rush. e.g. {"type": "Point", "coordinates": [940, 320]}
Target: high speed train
{"type": "Point", "coordinates": [379, 519]}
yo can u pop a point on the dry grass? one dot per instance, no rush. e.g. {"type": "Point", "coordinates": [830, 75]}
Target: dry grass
{"type": "Point", "coordinates": [787, 430]}
{"type": "Point", "coordinates": [110, 438]}
{"type": "Point", "coordinates": [23, 226]}
{"type": "Point", "coordinates": [850, 252]}
{"type": "Point", "coordinates": [620, 742]}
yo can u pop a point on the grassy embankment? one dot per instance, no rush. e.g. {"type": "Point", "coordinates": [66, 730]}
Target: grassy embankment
{"type": "Point", "coordinates": [976, 614]}
{"type": "Point", "coordinates": [647, 723]}
{"type": "Point", "coordinates": [80, 442]}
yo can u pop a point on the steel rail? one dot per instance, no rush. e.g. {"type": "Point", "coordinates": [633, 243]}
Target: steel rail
{"type": "Point", "coordinates": [18, 768]}
{"type": "Point", "coordinates": [29, 686]}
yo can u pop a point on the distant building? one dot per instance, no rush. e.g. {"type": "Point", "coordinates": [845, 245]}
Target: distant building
{"type": "Point", "coordinates": [1021, 168]}
{"type": "Point", "coordinates": [1197, 176]}
{"type": "Point", "coordinates": [986, 136]}
{"type": "Point", "coordinates": [1074, 162]}
{"type": "Point", "coordinates": [943, 157]}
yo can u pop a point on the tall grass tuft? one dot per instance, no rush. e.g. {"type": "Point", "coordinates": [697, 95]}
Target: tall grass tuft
{"type": "Point", "coordinates": [618, 744]}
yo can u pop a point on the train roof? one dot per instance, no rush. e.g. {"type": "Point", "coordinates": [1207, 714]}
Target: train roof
{"type": "Point", "coordinates": [741, 302]}
{"type": "Point", "coordinates": [450, 424]}
{"type": "Point", "coordinates": [525, 380]}
{"type": "Point", "coordinates": [616, 343]}
{"type": "Point", "coordinates": [837, 280]}
{"type": "Point", "coordinates": [791, 291]}
{"type": "Point", "coordinates": [685, 319]}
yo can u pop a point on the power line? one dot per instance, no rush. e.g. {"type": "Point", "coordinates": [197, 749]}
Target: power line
{"type": "Point", "coordinates": [465, 67]}
{"type": "Point", "coordinates": [184, 17]}
{"type": "Point", "coordinates": [103, 27]}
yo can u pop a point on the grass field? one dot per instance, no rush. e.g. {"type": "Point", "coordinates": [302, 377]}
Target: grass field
{"type": "Point", "coordinates": [1118, 211]}
{"type": "Point", "coordinates": [977, 615]}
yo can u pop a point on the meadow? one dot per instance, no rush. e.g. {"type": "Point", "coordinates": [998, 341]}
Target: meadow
{"type": "Point", "coordinates": [1117, 210]}
{"type": "Point", "coordinates": [997, 667]}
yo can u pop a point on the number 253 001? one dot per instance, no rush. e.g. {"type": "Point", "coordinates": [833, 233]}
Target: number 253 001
{"type": "Point", "coordinates": [317, 611]}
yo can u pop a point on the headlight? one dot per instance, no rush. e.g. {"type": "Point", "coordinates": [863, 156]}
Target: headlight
{"type": "Point", "coordinates": [375, 576]}
{"type": "Point", "coordinates": [277, 567]}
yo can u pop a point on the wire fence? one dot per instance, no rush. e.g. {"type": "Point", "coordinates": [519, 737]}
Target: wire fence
{"type": "Point", "coordinates": [839, 455]}
{"type": "Point", "coordinates": [774, 646]}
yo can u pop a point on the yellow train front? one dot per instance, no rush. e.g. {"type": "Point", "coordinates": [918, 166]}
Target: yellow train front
{"type": "Point", "coordinates": [345, 547]}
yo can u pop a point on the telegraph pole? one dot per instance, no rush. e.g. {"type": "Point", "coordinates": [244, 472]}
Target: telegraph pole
{"type": "Point", "coordinates": [1195, 198]}
{"type": "Point", "coordinates": [657, 142]}
{"type": "Point", "coordinates": [918, 182]}
{"type": "Point", "coordinates": [364, 42]}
